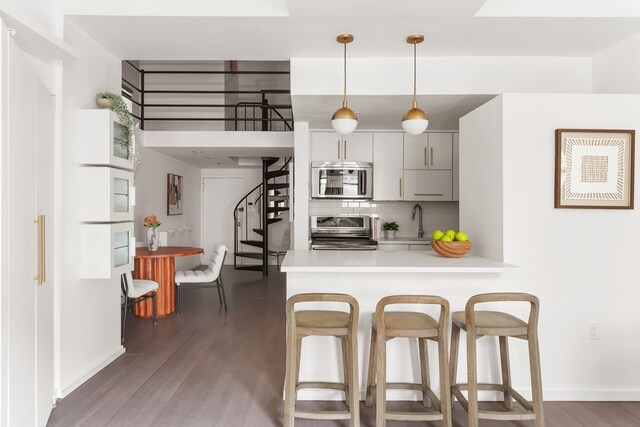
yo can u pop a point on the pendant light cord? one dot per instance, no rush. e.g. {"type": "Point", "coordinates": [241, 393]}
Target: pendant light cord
{"type": "Point", "coordinates": [415, 104]}
{"type": "Point", "coordinates": [344, 102]}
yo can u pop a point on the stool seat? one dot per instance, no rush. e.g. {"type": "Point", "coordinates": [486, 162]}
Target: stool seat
{"type": "Point", "coordinates": [408, 324]}
{"type": "Point", "coordinates": [322, 322]}
{"type": "Point", "coordinates": [493, 323]}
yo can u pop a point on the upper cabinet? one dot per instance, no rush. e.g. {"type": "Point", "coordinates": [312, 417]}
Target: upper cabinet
{"type": "Point", "coordinates": [333, 147]}
{"type": "Point", "coordinates": [107, 250]}
{"type": "Point", "coordinates": [429, 151]}
{"type": "Point", "coordinates": [387, 166]}
{"type": "Point", "coordinates": [101, 139]}
{"type": "Point", "coordinates": [107, 194]}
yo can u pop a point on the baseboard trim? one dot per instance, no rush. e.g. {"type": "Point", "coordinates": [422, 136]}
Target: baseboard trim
{"type": "Point", "coordinates": [64, 391]}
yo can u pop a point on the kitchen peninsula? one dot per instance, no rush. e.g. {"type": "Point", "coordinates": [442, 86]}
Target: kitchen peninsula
{"type": "Point", "coordinates": [368, 276]}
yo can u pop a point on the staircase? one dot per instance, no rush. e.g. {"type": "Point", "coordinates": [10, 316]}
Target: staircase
{"type": "Point", "coordinates": [273, 198]}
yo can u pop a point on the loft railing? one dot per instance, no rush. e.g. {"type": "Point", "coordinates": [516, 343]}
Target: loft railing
{"type": "Point", "coordinates": [258, 115]}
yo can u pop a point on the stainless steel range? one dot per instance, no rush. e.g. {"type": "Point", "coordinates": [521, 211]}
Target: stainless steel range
{"type": "Point", "coordinates": [342, 232]}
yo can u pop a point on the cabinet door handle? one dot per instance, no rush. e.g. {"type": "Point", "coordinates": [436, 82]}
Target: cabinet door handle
{"type": "Point", "coordinates": [400, 187]}
{"type": "Point", "coordinates": [425, 194]}
{"type": "Point", "coordinates": [425, 156]}
{"type": "Point", "coordinates": [431, 155]}
{"type": "Point", "coordinates": [345, 149]}
{"type": "Point", "coordinates": [338, 149]}
{"type": "Point", "coordinates": [41, 275]}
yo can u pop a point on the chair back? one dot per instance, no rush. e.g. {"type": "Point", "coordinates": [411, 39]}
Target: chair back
{"type": "Point", "coordinates": [217, 259]}
{"type": "Point", "coordinates": [126, 282]}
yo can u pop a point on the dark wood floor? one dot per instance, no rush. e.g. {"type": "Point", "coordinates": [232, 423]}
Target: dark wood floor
{"type": "Point", "coordinates": [211, 368]}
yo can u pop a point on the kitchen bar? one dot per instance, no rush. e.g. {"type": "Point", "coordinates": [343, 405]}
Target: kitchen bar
{"type": "Point", "coordinates": [371, 275]}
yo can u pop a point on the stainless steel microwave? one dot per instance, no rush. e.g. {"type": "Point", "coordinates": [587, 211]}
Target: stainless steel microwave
{"type": "Point", "coordinates": [341, 180]}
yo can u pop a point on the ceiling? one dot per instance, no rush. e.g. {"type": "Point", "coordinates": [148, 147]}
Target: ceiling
{"type": "Point", "coordinates": [308, 28]}
{"type": "Point", "coordinates": [217, 158]}
{"type": "Point", "coordinates": [385, 112]}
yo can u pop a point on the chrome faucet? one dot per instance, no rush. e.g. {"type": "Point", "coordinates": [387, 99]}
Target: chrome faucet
{"type": "Point", "coordinates": [413, 218]}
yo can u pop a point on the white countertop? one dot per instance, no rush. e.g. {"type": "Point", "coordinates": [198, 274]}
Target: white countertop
{"type": "Point", "coordinates": [404, 241]}
{"type": "Point", "coordinates": [387, 262]}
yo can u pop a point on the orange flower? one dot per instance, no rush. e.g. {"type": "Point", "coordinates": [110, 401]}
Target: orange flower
{"type": "Point", "coordinates": [151, 221]}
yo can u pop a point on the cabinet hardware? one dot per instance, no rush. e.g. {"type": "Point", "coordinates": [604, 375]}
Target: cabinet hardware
{"type": "Point", "coordinates": [345, 149]}
{"type": "Point", "coordinates": [338, 149]}
{"type": "Point", "coordinates": [431, 155]}
{"type": "Point", "coordinates": [401, 187]}
{"type": "Point", "coordinates": [424, 194]}
{"type": "Point", "coordinates": [425, 156]}
{"type": "Point", "coordinates": [41, 275]}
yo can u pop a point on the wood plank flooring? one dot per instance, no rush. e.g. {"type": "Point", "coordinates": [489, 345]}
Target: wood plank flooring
{"type": "Point", "coordinates": [211, 368]}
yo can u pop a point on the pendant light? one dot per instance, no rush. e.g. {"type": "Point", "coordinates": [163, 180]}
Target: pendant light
{"type": "Point", "coordinates": [344, 120]}
{"type": "Point", "coordinates": [415, 121]}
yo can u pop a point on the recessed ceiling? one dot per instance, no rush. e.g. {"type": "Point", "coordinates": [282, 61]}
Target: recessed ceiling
{"type": "Point", "coordinates": [385, 112]}
{"type": "Point", "coordinates": [380, 28]}
{"type": "Point", "coordinates": [225, 158]}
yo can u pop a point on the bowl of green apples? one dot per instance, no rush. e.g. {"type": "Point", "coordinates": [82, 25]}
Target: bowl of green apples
{"type": "Point", "coordinates": [450, 244]}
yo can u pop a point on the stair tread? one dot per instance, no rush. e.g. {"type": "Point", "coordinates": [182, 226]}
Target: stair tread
{"type": "Point", "coordinates": [256, 243]}
{"type": "Point", "coordinates": [272, 220]}
{"type": "Point", "coordinates": [259, 231]}
{"type": "Point", "coordinates": [277, 186]}
{"type": "Point", "coordinates": [254, 255]}
{"type": "Point", "coordinates": [277, 173]}
{"type": "Point", "coordinates": [270, 160]}
{"type": "Point", "coordinates": [277, 209]}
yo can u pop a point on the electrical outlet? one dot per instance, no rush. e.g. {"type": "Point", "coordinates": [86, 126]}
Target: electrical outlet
{"type": "Point", "coordinates": [593, 330]}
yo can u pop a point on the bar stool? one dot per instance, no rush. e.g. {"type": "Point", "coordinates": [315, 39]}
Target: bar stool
{"type": "Point", "coordinates": [397, 324]}
{"type": "Point", "coordinates": [494, 323]}
{"type": "Point", "coordinates": [338, 324]}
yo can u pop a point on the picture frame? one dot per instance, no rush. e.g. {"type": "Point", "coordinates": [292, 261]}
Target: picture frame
{"type": "Point", "coordinates": [594, 168]}
{"type": "Point", "coordinates": [175, 201]}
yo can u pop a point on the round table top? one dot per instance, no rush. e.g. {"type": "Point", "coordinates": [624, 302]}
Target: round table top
{"type": "Point", "coordinates": [167, 251]}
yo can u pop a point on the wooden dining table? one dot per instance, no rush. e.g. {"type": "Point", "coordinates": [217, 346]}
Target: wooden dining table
{"type": "Point", "coordinates": [160, 267]}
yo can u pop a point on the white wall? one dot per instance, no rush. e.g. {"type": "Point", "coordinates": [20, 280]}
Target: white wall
{"type": "Point", "coordinates": [582, 264]}
{"type": "Point", "coordinates": [151, 198]}
{"type": "Point", "coordinates": [43, 12]}
{"type": "Point", "coordinates": [617, 69]}
{"type": "Point", "coordinates": [302, 149]}
{"type": "Point", "coordinates": [442, 75]}
{"type": "Point", "coordinates": [88, 310]}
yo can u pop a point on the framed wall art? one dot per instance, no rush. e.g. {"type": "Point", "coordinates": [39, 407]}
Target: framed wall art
{"type": "Point", "coordinates": [175, 202]}
{"type": "Point", "coordinates": [594, 168]}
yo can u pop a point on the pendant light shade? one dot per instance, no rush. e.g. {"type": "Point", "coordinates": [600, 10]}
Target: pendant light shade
{"type": "Point", "coordinates": [415, 121]}
{"type": "Point", "coordinates": [344, 120]}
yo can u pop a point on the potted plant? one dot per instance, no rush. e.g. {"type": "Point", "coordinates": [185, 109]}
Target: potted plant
{"type": "Point", "coordinates": [153, 239]}
{"type": "Point", "coordinates": [390, 228]}
{"type": "Point", "coordinates": [115, 103]}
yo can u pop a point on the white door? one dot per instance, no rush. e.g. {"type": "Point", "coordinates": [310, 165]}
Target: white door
{"type": "Point", "coordinates": [27, 308]}
{"type": "Point", "coordinates": [358, 147]}
{"type": "Point", "coordinates": [440, 151]}
{"type": "Point", "coordinates": [326, 147]}
{"type": "Point", "coordinates": [428, 185]}
{"type": "Point", "coordinates": [387, 166]}
{"type": "Point", "coordinates": [416, 151]}
{"type": "Point", "coordinates": [220, 196]}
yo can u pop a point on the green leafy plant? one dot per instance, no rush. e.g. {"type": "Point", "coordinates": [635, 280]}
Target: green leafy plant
{"type": "Point", "coordinates": [120, 108]}
{"type": "Point", "coordinates": [390, 226]}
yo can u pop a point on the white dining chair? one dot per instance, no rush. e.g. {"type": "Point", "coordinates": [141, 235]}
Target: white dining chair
{"type": "Point", "coordinates": [135, 291]}
{"type": "Point", "coordinates": [208, 278]}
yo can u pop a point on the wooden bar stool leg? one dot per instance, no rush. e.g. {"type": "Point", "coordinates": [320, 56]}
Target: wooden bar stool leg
{"type": "Point", "coordinates": [536, 379]}
{"type": "Point", "coordinates": [424, 371]}
{"type": "Point", "coordinates": [453, 364]}
{"type": "Point", "coordinates": [381, 380]}
{"type": "Point", "coordinates": [371, 375]}
{"type": "Point", "coordinates": [445, 383]}
{"type": "Point", "coordinates": [298, 358]}
{"type": "Point", "coordinates": [472, 379]}
{"type": "Point", "coordinates": [344, 344]}
{"type": "Point", "coordinates": [290, 379]}
{"type": "Point", "coordinates": [354, 394]}
{"type": "Point", "coordinates": [506, 370]}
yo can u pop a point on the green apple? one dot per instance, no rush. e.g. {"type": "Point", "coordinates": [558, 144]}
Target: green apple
{"type": "Point", "coordinates": [450, 233]}
{"type": "Point", "coordinates": [446, 238]}
{"type": "Point", "coordinates": [437, 234]}
{"type": "Point", "coordinates": [461, 236]}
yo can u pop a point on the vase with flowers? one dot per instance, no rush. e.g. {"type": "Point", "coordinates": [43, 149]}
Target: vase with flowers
{"type": "Point", "coordinates": [153, 238]}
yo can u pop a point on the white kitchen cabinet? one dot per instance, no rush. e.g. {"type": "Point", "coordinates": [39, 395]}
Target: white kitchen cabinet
{"type": "Point", "coordinates": [456, 167]}
{"type": "Point", "coordinates": [440, 154]}
{"type": "Point", "coordinates": [107, 194]}
{"type": "Point", "coordinates": [428, 151]}
{"type": "Point", "coordinates": [333, 147]}
{"type": "Point", "coordinates": [107, 250]}
{"type": "Point", "coordinates": [387, 166]}
{"type": "Point", "coordinates": [101, 136]}
{"type": "Point", "coordinates": [428, 185]}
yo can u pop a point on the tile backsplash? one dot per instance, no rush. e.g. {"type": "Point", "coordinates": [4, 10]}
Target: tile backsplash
{"type": "Point", "coordinates": [435, 215]}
